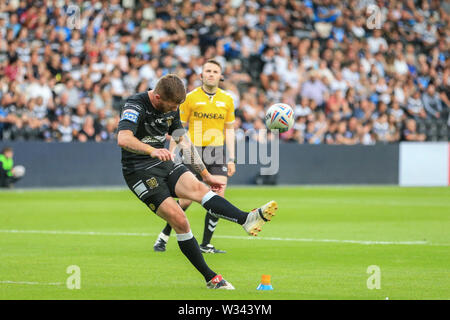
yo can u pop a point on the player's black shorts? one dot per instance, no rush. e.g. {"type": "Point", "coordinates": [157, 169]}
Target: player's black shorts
{"type": "Point", "coordinates": [214, 159]}
{"type": "Point", "coordinates": [155, 184]}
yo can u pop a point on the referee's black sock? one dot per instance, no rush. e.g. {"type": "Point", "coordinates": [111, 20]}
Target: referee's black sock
{"type": "Point", "coordinates": [222, 208]}
{"type": "Point", "coordinates": [189, 246]}
{"type": "Point", "coordinates": [167, 229]}
{"type": "Point", "coordinates": [210, 226]}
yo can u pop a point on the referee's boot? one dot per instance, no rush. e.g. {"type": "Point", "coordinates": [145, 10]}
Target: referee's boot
{"type": "Point", "coordinates": [209, 248]}
{"type": "Point", "coordinates": [161, 242]}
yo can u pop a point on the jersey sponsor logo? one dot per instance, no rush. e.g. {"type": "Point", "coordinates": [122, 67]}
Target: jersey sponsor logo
{"type": "Point", "coordinates": [150, 139]}
{"type": "Point", "coordinates": [152, 183]}
{"type": "Point", "coordinates": [131, 105]}
{"type": "Point", "coordinates": [151, 128]}
{"type": "Point", "coordinates": [205, 115]}
{"type": "Point", "coordinates": [221, 104]}
{"type": "Point", "coordinates": [130, 114]}
{"type": "Point", "coordinates": [200, 103]}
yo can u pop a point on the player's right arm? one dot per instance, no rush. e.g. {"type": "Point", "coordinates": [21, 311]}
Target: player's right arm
{"type": "Point", "coordinates": [184, 112]}
{"type": "Point", "coordinates": [127, 141]}
{"type": "Point", "coordinates": [132, 113]}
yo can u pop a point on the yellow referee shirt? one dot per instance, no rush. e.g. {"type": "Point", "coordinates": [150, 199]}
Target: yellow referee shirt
{"type": "Point", "coordinates": [206, 116]}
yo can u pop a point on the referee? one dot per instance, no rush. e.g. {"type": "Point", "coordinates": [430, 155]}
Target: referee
{"type": "Point", "coordinates": [208, 112]}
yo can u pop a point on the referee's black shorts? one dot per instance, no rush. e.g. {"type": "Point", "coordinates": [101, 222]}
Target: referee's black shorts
{"type": "Point", "coordinates": [155, 184]}
{"type": "Point", "coordinates": [214, 159]}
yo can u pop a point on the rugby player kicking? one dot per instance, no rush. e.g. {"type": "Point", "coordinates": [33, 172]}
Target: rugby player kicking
{"type": "Point", "coordinates": [151, 174]}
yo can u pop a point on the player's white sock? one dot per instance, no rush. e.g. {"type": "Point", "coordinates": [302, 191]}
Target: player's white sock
{"type": "Point", "coordinates": [164, 237]}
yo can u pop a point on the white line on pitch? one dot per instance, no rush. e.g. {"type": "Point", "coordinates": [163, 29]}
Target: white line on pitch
{"type": "Point", "coordinates": [94, 233]}
{"type": "Point", "coordinates": [32, 283]}
{"type": "Point", "coordinates": [330, 240]}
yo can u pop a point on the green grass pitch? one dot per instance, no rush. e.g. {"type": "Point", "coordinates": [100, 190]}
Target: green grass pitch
{"type": "Point", "coordinates": [318, 246]}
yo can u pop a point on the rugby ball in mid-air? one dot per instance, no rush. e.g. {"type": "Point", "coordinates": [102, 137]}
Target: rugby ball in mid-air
{"type": "Point", "coordinates": [18, 171]}
{"type": "Point", "coordinates": [279, 116]}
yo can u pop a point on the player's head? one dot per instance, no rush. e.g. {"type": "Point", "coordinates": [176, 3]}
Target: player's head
{"type": "Point", "coordinates": [7, 152]}
{"type": "Point", "coordinates": [169, 93]}
{"type": "Point", "coordinates": [211, 73]}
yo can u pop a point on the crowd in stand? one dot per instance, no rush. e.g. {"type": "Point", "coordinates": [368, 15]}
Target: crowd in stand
{"type": "Point", "coordinates": [355, 71]}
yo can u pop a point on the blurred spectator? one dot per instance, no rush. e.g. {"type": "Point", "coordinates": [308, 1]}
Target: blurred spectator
{"type": "Point", "coordinates": [107, 133]}
{"type": "Point", "coordinates": [381, 129]}
{"type": "Point", "coordinates": [432, 102]}
{"type": "Point", "coordinates": [343, 135]}
{"type": "Point", "coordinates": [364, 134]}
{"type": "Point", "coordinates": [269, 71]}
{"type": "Point", "coordinates": [396, 112]}
{"type": "Point", "coordinates": [338, 83]}
{"type": "Point", "coordinates": [87, 132]}
{"type": "Point", "coordinates": [415, 106]}
{"type": "Point", "coordinates": [410, 132]}
{"type": "Point", "coordinates": [65, 130]}
{"type": "Point", "coordinates": [315, 89]}
{"type": "Point", "coordinates": [52, 133]}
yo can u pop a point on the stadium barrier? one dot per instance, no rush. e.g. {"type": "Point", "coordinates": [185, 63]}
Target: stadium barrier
{"type": "Point", "coordinates": [91, 164]}
{"type": "Point", "coordinates": [55, 164]}
{"type": "Point", "coordinates": [424, 164]}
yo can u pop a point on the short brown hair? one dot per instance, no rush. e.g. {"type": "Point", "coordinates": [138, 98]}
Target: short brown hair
{"type": "Point", "coordinates": [213, 61]}
{"type": "Point", "coordinates": [6, 149]}
{"type": "Point", "coordinates": [171, 88]}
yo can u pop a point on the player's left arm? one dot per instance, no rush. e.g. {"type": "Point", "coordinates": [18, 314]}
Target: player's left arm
{"type": "Point", "coordinates": [191, 155]}
{"type": "Point", "coordinates": [229, 143]}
